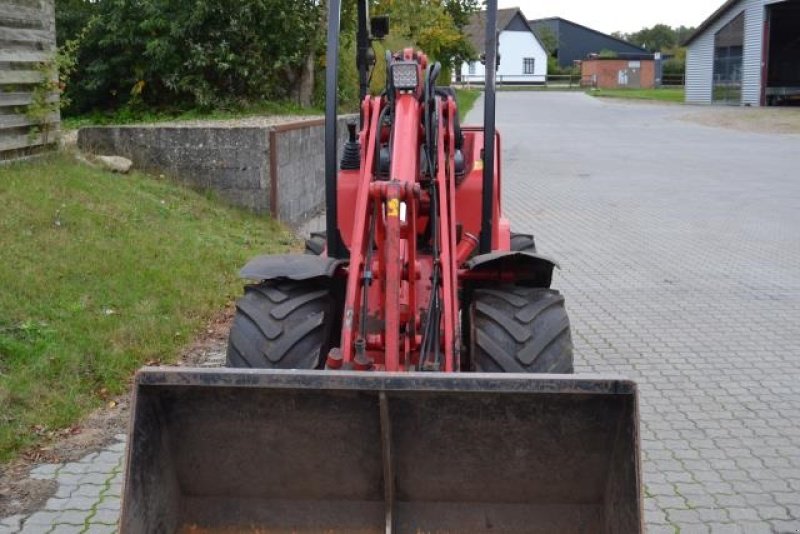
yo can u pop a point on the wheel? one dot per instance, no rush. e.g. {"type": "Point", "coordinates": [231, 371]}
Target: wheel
{"type": "Point", "coordinates": [281, 325]}
{"type": "Point", "coordinates": [316, 243]}
{"type": "Point", "coordinates": [522, 243]}
{"type": "Point", "coordinates": [516, 329]}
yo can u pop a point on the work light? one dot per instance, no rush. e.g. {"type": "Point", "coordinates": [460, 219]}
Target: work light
{"type": "Point", "coordinates": [405, 75]}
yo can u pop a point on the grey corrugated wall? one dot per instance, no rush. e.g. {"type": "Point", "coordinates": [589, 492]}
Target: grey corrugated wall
{"type": "Point", "coordinates": [700, 56]}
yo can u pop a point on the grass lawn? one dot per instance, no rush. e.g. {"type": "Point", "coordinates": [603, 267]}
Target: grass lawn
{"type": "Point", "coordinates": [465, 99]}
{"type": "Point", "coordinates": [661, 95]}
{"type": "Point", "coordinates": [101, 273]}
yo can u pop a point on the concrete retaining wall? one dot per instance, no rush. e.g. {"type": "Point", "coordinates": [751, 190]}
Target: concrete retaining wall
{"type": "Point", "coordinates": [276, 169]}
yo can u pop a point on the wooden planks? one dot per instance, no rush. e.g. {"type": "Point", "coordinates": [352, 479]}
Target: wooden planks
{"type": "Point", "coordinates": [19, 120]}
{"type": "Point", "coordinates": [20, 16]}
{"type": "Point", "coordinates": [20, 99]}
{"type": "Point", "coordinates": [27, 38]}
{"type": "Point", "coordinates": [17, 141]}
{"type": "Point", "coordinates": [24, 56]}
{"type": "Point", "coordinates": [20, 77]}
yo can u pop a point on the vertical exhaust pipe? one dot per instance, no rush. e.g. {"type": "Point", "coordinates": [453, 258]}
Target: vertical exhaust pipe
{"type": "Point", "coordinates": [489, 127]}
{"type": "Point", "coordinates": [331, 168]}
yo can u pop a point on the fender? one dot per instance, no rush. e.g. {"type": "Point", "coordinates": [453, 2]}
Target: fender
{"type": "Point", "coordinates": [290, 266]}
{"type": "Point", "coordinates": [528, 268]}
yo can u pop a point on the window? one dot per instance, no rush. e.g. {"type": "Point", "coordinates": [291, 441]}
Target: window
{"type": "Point", "coordinates": [472, 68]}
{"type": "Point", "coordinates": [728, 55]}
{"type": "Point", "coordinates": [528, 65]}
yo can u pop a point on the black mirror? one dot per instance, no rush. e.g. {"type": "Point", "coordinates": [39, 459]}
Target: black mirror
{"type": "Point", "coordinates": [379, 27]}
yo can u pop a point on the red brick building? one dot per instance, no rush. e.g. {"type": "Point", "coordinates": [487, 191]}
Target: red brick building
{"type": "Point", "coordinates": [612, 73]}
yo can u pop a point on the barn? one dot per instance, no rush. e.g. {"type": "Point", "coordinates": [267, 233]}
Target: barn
{"type": "Point", "coordinates": [746, 53]}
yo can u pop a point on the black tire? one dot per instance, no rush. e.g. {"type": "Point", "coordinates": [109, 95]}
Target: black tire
{"type": "Point", "coordinates": [281, 325]}
{"type": "Point", "coordinates": [519, 330]}
{"type": "Point", "coordinates": [522, 243]}
{"type": "Point", "coordinates": [316, 243]}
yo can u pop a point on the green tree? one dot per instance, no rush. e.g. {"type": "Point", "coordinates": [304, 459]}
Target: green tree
{"type": "Point", "coordinates": [548, 39]}
{"type": "Point", "coordinates": [460, 11]}
{"type": "Point", "coordinates": [430, 26]}
{"type": "Point", "coordinates": [659, 37]}
{"type": "Point", "coordinates": [72, 16]}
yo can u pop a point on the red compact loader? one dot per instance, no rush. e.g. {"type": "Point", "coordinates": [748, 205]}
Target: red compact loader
{"type": "Point", "coordinates": [411, 373]}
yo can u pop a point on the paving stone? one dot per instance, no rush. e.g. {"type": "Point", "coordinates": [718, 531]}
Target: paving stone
{"type": "Point", "coordinates": [110, 503]}
{"type": "Point", "coordinates": [785, 527]}
{"type": "Point", "coordinates": [42, 518]}
{"type": "Point", "coordinates": [11, 523]}
{"type": "Point", "coordinates": [752, 527]}
{"type": "Point", "coordinates": [105, 516]}
{"type": "Point", "coordinates": [772, 512]}
{"type": "Point", "coordinates": [44, 471]}
{"type": "Point", "coordinates": [58, 504]}
{"type": "Point", "coordinates": [72, 517]}
{"type": "Point", "coordinates": [97, 528]}
{"type": "Point", "coordinates": [742, 514]}
{"type": "Point", "coordinates": [64, 491]}
{"type": "Point", "coordinates": [88, 491]}
{"type": "Point", "coordinates": [724, 528]}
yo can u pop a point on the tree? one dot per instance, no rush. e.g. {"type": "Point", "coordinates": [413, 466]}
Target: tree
{"type": "Point", "coordinates": [72, 16]}
{"type": "Point", "coordinates": [460, 11]}
{"type": "Point", "coordinates": [430, 26]}
{"type": "Point", "coordinates": [659, 37]}
{"type": "Point", "coordinates": [548, 39]}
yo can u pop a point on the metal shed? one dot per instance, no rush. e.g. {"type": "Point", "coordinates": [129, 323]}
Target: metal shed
{"type": "Point", "coordinates": [746, 53]}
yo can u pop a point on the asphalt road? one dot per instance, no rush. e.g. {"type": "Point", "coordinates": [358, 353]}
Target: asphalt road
{"type": "Point", "coordinates": [680, 254]}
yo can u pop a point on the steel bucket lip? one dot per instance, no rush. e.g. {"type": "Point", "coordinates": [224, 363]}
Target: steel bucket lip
{"type": "Point", "coordinates": [589, 384]}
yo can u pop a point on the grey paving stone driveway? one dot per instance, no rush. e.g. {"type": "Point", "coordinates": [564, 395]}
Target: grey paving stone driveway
{"type": "Point", "coordinates": [680, 248]}
{"type": "Point", "coordinates": [680, 254]}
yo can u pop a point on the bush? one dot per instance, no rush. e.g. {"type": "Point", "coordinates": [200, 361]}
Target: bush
{"type": "Point", "coordinates": [193, 53]}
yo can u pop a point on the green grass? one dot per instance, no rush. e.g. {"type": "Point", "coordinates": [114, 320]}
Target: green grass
{"type": "Point", "coordinates": [101, 273]}
{"type": "Point", "coordinates": [661, 95]}
{"type": "Point", "coordinates": [131, 116]}
{"type": "Point", "coordinates": [465, 99]}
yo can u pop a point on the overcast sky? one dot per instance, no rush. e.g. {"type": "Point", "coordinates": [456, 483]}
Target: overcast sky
{"type": "Point", "coordinates": [619, 15]}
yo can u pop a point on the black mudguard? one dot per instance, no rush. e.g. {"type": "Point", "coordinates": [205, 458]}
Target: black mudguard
{"type": "Point", "coordinates": [531, 269]}
{"type": "Point", "coordinates": [290, 266]}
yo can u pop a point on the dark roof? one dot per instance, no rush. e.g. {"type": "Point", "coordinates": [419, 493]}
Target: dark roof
{"type": "Point", "coordinates": [710, 20]}
{"type": "Point", "coordinates": [623, 41]}
{"type": "Point", "coordinates": [476, 29]}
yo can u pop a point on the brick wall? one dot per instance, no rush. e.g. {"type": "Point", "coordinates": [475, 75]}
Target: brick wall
{"type": "Point", "coordinates": [617, 73]}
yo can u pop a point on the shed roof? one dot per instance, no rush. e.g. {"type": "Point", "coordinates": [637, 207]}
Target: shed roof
{"type": "Point", "coordinates": [710, 20]}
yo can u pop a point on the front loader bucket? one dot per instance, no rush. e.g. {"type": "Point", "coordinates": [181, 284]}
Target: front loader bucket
{"type": "Point", "coordinates": [297, 451]}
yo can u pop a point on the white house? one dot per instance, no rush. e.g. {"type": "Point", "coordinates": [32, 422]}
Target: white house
{"type": "Point", "coordinates": [523, 58]}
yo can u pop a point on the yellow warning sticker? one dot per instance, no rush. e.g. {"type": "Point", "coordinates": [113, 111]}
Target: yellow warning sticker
{"type": "Point", "coordinates": [478, 165]}
{"type": "Point", "coordinates": [393, 208]}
